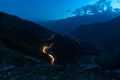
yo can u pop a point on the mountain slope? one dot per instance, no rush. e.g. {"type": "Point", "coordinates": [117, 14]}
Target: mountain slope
{"type": "Point", "coordinates": [28, 38]}
{"type": "Point", "coordinates": [105, 36]}
{"type": "Point", "coordinates": [22, 56]}
{"type": "Point", "coordinates": [65, 26]}
{"type": "Point", "coordinates": [21, 35]}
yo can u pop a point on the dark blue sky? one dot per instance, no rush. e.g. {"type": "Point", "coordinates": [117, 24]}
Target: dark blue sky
{"type": "Point", "coordinates": [37, 10]}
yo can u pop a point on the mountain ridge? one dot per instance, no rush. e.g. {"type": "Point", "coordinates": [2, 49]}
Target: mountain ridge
{"type": "Point", "coordinates": [106, 37]}
{"type": "Point", "coordinates": [65, 26]}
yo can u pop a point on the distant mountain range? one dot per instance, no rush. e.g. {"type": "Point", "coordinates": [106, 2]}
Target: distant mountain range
{"type": "Point", "coordinates": [65, 26]}
{"type": "Point", "coordinates": [103, 35]}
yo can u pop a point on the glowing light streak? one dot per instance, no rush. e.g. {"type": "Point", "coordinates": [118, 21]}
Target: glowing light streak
{"type": "Point", "coordinates": [46, 49]}
{"type": "Point", "coordinates": [52, 59]}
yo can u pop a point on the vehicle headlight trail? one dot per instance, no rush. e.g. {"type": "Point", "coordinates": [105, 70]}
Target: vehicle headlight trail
{"type": "Point", "coordinates": [46, 48]}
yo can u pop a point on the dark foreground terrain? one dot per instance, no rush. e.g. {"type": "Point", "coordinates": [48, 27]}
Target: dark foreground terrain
{"type": "Point", "coordinates": [22, 58]}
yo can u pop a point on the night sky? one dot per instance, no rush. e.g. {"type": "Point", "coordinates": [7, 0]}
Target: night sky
{"type": "Point", "coordinates": [37, 10]}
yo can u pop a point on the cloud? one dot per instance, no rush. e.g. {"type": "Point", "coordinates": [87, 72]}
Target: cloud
{"type": "Point", "coordinates": [100, 6]}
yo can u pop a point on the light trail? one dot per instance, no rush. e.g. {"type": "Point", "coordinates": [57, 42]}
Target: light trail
{"type": "Point", "coordinates": [52, 59]}
{"type": "Point", "coordinates": [52, 37]}
{"type": "Point", "coordinates": [46, 49]}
